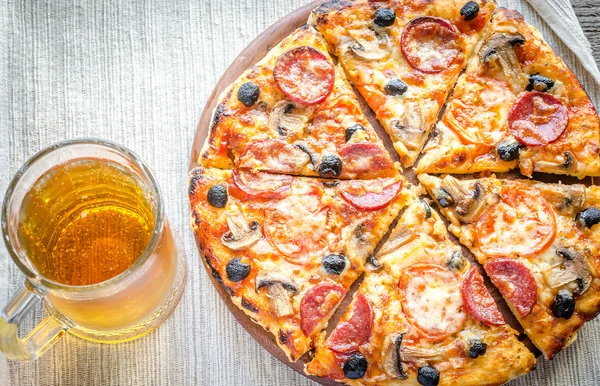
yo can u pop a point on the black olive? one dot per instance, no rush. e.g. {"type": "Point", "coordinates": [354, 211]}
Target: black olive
{"type": "Point", "coordinates": [396, 87]}
{"type": "Point", "coordinates": [588, 218]}
{"type": "Point", "coordinates": [217, 196]}
{"type": "Point", "coordinates": [508, 150]}
{"type": "Point", "coordinates": [563, 305]}
{"type": "Point", "coordinates": [470, 11]}
{"type": "Point", "coordinates": [384, 17]}
{"type": "Point", "coordinates": [331, 166]}
{"type": "Point", "coordinates": [353, 129]}
{"type": "Point", "coordinates": [248, 94]}
{"type": "Point", "coordinates": [356, 366]}
{"type": "Point", "coordinates": [444, 199]}
{"type": "Point", "coordinates": [456, 261]}
{"type": "Point", "coordinates": [237, 270]}
{"type": "Point", "coordinates": [539, 83]}
{"type": "Point", "coordinates": [428, 376]}
{"type": "Point", "coordinates": [334, 263]}
{"type": "Point", "coordinates": [477, 348]}
{"type": "Point", "coordinates": [427, 209]}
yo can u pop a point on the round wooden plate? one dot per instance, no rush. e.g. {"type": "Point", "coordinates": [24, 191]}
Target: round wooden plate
{"type": "Point", "coordinates": [255, 51]}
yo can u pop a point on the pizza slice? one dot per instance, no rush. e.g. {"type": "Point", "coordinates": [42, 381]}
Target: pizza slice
{"type": "Point", "coordinates": [403, 57]}
{"type": "Point", "coordinates": [517, 104]}
{"type": "Point", "coordinates": [425, 318]}
{"type": "Point", "coordinates": [538, 244]}
{"type": "Point", "coordinates": [295, 113]}
{"type": "Point", "coordinates": [288, 248]}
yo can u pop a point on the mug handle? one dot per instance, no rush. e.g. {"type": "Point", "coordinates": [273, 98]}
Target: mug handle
{"type": "Point", "coordinates": [40, 339]}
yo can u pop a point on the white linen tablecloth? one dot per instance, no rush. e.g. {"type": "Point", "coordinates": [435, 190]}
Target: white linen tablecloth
{"type": "Point", "coordinates": [139, 73]}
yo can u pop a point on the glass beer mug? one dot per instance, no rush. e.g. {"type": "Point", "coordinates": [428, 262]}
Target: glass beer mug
{"type": "Point", "coordinates": [84, 221]}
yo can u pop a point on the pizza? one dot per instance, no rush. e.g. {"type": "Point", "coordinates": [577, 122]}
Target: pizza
{"type": "Point", "coordinates": [295, 197]}
{"type": "Point", "coordinates": [538, 244]}
{"type": "Point", "coordinates": [403, 57]}
{"type": "Point", "coordinates": [295, 113]}
{"type": "Point", "coordinates": [516, 105]}
{"type": "Point", "coordinates": [425, 318]}
{"type": "Point", "coordinates": [287, 248]}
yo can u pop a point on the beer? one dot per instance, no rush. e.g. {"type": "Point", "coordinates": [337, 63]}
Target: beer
{"type": "Point", "coordinates": [85, 221]}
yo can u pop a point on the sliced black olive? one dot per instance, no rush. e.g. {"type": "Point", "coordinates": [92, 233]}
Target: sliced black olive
{"type": "Point", "coordinates": [477, 348]}
{"type": "Point", "coordinates": [353, 129]}
{"type": "Point", "coordinates": [217, 196]}
{"type": "Point", "coordinates": [356, 366]}
{"type": "Point", "coordinates": [539, 83]}
{"type": "Point", "coordinates": [396, 87]}
{"type": "Point", "coordinates": [334, 263]}
{"type": "Point", "coordinates": [563, 305]}
{"type": "Point", "coordinates": [237, 270]}
{"type": "Point", "coordinates": [428, 376]}
{"type": "Point", "coordinates": [248, 94]}
{"type": "Point", "coordinates": [427, 209]}
{"type": "Point", "coordinates": [470, 11]}
{"type": "Point", "coordinates": [384, 17]}
{"type": "Point", "coordinates": [588, 218]}
{"type": "Point", "coordinates": [444, 198]}
{"type": "Point", "coordinates": [508, 150]}
{"type": "Point", "coordinates": [456, 261]}
{"type": "Point", "coordinates": [331, 166]}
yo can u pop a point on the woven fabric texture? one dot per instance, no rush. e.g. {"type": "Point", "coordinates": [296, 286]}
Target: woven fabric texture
{"type": "Point", "coordinates": [139, 73]}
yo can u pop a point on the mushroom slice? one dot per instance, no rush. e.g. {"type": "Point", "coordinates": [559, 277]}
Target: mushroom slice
{"type": "Point", "coordinates": [498, 50]}
{"type": "Point", "coordinates": [367, 49]}
{"type": "Point", "coordinates": [303, 146]}
{"type": "Point", "coordinates": [361, 242]}
{"type": "Point", "coordinates": [279, 287]}
{"type": "Point", "coordinates": [564, 162]}
{"type": "Point", "coordinates": [409, 129]}
{"type": "Point", "coordinates": [241, 235]}
{"type": "Point", "coordinates": [568, 199]}
{"type": "Point", "coordinates": [574, 268]}
{"type": "Point", "coordinates": [392, 361]}
{"type": "Point", "coordinates": [283, 122]}
{"type": "Point", "coordinates": [414, 354]}
{"type": "Point", "coordinates": [399, 237]}
{"type": "Point", "coordinates": [470, 203]}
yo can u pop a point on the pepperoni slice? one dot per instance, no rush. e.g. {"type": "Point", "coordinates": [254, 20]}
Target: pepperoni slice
{"type": "Point", "coordinates": [520, 224]}
{"type": "Point", "coordinates": [304, 75]}
{"type": "Point", "coordinates": [298, 226]}
{"type": "Point", "coordinates": [430, 44]}
{"type": "Point", "coordinates": [262, 185]}
{"type": "Point", "coordinates": [515, 282]}
{"type": "Point", "coordinates": [353, 333]}
{"type": "Point", "coordinates": [317, 303]}
{"type": "Point", "coordinates": [365, 157]}
{"type": "Point", "coordinates": [370, 194]}
{"type": "Point", "coordinates": [476, 110]}
{"type": "Point", "coordinates": [478, 300]}
{"type": "Point", "coordinates": [538, 118]}
{"type": "Point", "coordinates": [431, 300]}
{"type": "Point", "coordinates": [273, 155]}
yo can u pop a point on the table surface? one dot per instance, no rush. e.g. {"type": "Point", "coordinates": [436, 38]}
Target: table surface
{"type": "Point", "coordinates": [139, 73]}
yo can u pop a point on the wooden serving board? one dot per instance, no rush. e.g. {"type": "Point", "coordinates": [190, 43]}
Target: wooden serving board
{"type": "Point", "coordinates": [255, 51]}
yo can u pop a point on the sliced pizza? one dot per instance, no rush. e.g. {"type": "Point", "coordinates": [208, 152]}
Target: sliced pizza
{"type": "Point", "coordinates": [538, 244]}
{"type": "Point", "coordinates": [517, 104]}
{"type": "Point", "coordinates": [424, 318]}
{"type": "Point", "coordinates": [295, 113]}
{"type": "Point", "coordinates": [288, 248]}
{"type": "Point", "coordinates": [403, 57]}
